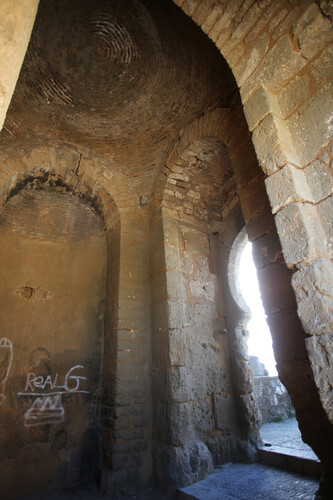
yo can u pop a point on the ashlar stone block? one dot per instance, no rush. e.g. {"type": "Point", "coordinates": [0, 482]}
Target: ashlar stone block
{"type": "Point", "coordinates": [313, 31]}
{"type": "Point", "coordinates": [320, 180]}
{"type": "Point", "coordinates": [270, 74]}
{"type": "Point", "coordinates": [203, 289]}
{"type": "Point", "coordinates": [286, 186]}
{"type": "Point", "coordinates": [300, 233]}
{"type": "Point", "coordinates": [201, 414]}
{"type": "Point", "coordinates": [273, 144]}
{"type": "Point", "coordinates": [293, 95]}
{"type": "Point", "coordinates": [313, 288]}
{"type": "Point", "coordinates": [258, 106]}
{"type": "Point", "coordinates": [249, 62]}
{"type": "Point", "coordinates": [320, 350]}
{"type": "Point", "coordinates": [177, 347]}
{"type": "Point", "coordinates": [223, 412]}
{"type": "Point", "coordinates": [325, 209]}
{"type": "Point", "coordinates": [311, 126]}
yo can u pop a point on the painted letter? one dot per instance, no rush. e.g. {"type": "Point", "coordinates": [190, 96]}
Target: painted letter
{"type": "Point", "coordinates": [29, 383]}
{"type": "Point", "coordinates": [74, 377]}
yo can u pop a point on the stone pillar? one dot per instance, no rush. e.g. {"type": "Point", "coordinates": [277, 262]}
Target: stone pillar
{"type": "Point", "coordinates": [16, 22]}
{"type": "Point", "coordinates": [126, 406]}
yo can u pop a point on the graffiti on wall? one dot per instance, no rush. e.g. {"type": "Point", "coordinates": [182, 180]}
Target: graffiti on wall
{"type": "Point", "coordinates": [6, 358]}
{"type": "Point", "coordinates": [47, 406]}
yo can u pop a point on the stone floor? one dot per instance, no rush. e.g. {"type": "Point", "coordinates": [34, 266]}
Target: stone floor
{"type": "Point", "coordinates": [286, 434]}
{"type": "Point", "coordinates": [251, 482]}
{"type": "Point", "coordinates": [231, 481]}
{"type": "Point", "coordinates": [228, 482]}
{"type": "Point", "coordinates": [91, 493]}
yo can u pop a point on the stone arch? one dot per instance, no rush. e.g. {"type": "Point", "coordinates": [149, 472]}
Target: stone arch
{"type": "Point", "coordinates": [126, 331]}
{"type": "Point", "coordinates": [250, 205]}
{"type": "Point", "coordinates": [81, 173]}
{"type": "Point", "coordinates": [197, 143]}
{"type": "Point", "coordinates": [253, 36]}
{"type": "Point", "coordinates": [299, 32]}
{"type": "Point", "coordinates": [95, 196]}
{"type": "Point", "coordinates": [84, 188]}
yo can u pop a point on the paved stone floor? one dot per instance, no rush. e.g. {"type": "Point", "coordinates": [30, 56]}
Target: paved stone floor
{"type": "Point", "coordinates": [91, 493]}
{"type": "Point", "coordinates": [286, 434]}
{"type": "Point", "coordinates": [251, 482]}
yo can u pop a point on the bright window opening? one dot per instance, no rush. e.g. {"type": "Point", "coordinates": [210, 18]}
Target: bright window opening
{"type": "Point", "coordinates": [260, 340]}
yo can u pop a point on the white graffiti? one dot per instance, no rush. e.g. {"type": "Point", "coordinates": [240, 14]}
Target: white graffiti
{"type": "Point", "coordinates": [6, 358]}
{"type": "Point", "coordinates": [47, 407]}
{"type": "Point", "coordinates": [71, 383]}
{"type": "Point", "coordinates": [45, 410]}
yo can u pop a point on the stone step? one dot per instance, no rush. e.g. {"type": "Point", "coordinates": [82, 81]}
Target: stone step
{"type": "Point", "coordinates": [289, 459]}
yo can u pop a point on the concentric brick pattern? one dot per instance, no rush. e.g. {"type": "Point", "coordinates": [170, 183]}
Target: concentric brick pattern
{"type": "Point", "coordinates": [116, 79]}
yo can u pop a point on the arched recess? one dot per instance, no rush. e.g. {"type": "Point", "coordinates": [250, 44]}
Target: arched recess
{"type": "Point", "coordinates": [250, 205]}
{"type": "Point", "coordinates": [286, 97]}
{"type": "Point", "coordinates": [69, 315]}
{"type": "Point", "coordinates": [279, 53]}
{"type": "Point", "coordinates": [293, 143]}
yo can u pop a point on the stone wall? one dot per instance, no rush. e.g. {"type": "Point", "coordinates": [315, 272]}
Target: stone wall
{"type": "Point", "coordinates": [288, 111]}
{"type": "Point", "coordinates": [152, 136]}
{"type": "Point", "coordinates": [273, 400]}
{"type": "Point", "coordinates": [16, 23]}
{"type": "Point", "coordinates": [53, 270]}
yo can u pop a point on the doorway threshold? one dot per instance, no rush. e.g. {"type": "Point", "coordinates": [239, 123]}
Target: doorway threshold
{"type": "Point", "coordinates": [283, 448]}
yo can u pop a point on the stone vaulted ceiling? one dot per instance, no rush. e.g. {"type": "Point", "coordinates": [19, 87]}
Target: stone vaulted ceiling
{"type": "Point", "coordinates": [115, 79]}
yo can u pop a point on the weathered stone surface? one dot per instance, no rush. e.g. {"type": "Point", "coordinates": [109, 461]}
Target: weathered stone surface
{"type": "Point", "coordinates": [174, 423]}
{"type": "Point", "coordinates": [322, 67]}
{"type": "Point", "coordinates": [251, 59]}
{"type": "Point", "coordinates": [293, 95]}
{"type": "Point", "coordinates": [258, 368]}
{"type": "Point", "coordinates": [202, 416]}
{"type": "Point", "coordinates": [313, 31]}
{"type": "Point", "coordinates": [177, 347]}
{"type": "Point", "coordinates": [286, 186]}
{"type": "Point", "coordinates": [176, 467]}
{"type": "Point", "coordinates": [251, 411]}
{"type": "Point", "coordinates": [15, 28]}
{"type": "Point", "coordinates": [223, 413]}
{"type": "Point", "coordinates": [271, 75]}
{"type": "Point", "coordinates": [320, 349]}
{"type": "Point", "coordinates": [275, 289]}
{"type": "Point", "coordinates": [53, 272]}
{"type": "Point", "coordinates": [273, 144]}
{"type": "Point", "coordinates": [223, 448]}
{"type": "Point", "coordinates": [287, 347]}
{"type": "Point", "coordinates": [119, 483]}
{"type": "Point", "coordinates": [315, 305]}
{"type": "Point", "coordinates": [300, 232]}
{"type": "Point", "coordinates": [203, 289]}
{"type": "Point", "coordinates": [261, 104]}
{"type": "Point", "coordinates": [273, 400]}
{"type": "Point", "coordinates": [158, 146]}
{"type": "Point", "coordinates": [267, 250]}
{"type": "Point", "coordinates": [319, 177]}
{"type": "Point", "coordinates": [244, 376]}
{"type": "Point", "coordinates": [325, 209]}
{"type": "Point", "coordinates": [310, 126]}
{"type": "Point", "coordinates": [297, 376]}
